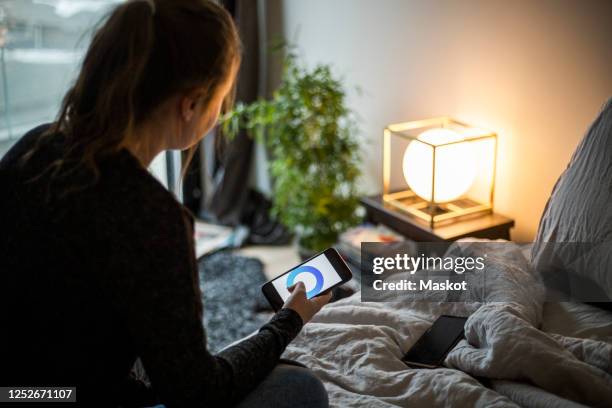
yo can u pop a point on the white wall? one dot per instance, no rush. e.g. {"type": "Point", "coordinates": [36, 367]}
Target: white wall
{"type": "Point", "coordinates": [534, 71]}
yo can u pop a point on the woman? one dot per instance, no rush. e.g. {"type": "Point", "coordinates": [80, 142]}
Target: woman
{"type": "Point", "coordinates": [98, 266]}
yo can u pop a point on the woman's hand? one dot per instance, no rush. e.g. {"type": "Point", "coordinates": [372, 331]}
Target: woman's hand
{"type": "Point", "coordinates": [306, 308]}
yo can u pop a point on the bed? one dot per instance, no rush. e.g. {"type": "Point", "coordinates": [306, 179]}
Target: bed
{"type": "Point", "coordinates": [523, 351]}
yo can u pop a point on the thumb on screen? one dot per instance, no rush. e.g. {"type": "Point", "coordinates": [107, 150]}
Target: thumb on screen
{"type": "Point", "coordinates": [298, 285]}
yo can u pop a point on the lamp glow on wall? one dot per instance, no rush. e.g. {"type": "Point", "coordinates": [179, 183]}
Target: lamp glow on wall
{"type": "Point", "coordinates": [448, 169]}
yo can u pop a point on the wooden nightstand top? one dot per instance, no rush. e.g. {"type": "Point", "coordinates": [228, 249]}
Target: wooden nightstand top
{"type": "Point", "coordinates": [491, 226]}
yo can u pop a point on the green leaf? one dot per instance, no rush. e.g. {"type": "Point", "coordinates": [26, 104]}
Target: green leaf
{"type": "Point", "coordinates": [315, 162]}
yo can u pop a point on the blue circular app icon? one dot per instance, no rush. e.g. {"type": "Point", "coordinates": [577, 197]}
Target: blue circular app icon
{"type": "Point", "coordinates": [311, 270]}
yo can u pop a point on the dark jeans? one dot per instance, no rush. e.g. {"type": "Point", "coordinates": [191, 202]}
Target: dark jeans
{"type": "Point", "coordinates": [287, 386]}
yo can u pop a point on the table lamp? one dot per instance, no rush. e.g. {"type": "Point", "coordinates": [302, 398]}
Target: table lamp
{"type": "Point", "coordinates": [447, 169]}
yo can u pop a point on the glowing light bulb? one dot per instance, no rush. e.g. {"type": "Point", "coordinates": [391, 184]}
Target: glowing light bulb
{"type": "Point", "coordinates": [454, 168]}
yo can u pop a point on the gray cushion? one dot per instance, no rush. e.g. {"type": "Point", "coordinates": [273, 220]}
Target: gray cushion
{"type": "Point", "coordinates": [574, 240]}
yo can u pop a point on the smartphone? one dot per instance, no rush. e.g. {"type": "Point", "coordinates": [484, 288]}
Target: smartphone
{"type": "Point", "coordinates": [320, 273]}
{"type": "Point", "coordinates": [431, 348]}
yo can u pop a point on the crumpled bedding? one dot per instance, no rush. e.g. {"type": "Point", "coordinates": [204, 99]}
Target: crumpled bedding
{"type": "Point", "coordinates": [505, 361]}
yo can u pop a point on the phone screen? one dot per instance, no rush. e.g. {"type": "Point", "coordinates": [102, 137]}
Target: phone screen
{"type": "Point", "coordinates": [433, 346]}
{"type": "Point", "coordinates": [318, 275]}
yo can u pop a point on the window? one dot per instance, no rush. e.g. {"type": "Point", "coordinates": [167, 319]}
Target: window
{"type": "Point", "coordinates": [42, 43]}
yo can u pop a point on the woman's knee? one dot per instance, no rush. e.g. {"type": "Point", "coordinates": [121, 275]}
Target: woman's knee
{"type": "Point", "coordinates": [289, 386]}
{"type": "Point", "coordinates": [310, 387]}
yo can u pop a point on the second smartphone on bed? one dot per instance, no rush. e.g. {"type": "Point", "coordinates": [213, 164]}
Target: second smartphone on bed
{"type": "Point", "coordinates": [320, 273]}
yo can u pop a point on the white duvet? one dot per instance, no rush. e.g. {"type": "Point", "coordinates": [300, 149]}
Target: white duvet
{"type": "Point", "coordinates": [356, 349]}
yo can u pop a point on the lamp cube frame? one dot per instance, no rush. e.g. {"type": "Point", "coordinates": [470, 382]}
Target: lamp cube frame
{"type": "Point", "coordinates": [430, 211]}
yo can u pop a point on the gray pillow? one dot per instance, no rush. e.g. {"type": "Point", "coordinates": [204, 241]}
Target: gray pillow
{"type": "Point", "coordinates": [573, 248]}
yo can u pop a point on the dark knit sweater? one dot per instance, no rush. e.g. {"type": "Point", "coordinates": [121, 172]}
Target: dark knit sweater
{"type": "Point", "coordinates": [95, 279]}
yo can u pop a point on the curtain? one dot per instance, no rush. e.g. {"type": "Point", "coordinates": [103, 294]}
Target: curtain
{"type": "Point", "coordinates": [217, 186]}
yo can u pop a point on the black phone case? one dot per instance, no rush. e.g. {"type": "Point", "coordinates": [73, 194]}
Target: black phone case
{"type": "Point", "coordinates": [420, 354]}
{"type": "Point", "coordinates": [276, 304]}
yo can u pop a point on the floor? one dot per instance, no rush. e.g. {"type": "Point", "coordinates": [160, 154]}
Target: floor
{"type": "Point", "coordinates": [275, 259]}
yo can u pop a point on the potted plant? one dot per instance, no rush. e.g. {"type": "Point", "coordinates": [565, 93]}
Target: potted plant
{"type": "Point", "coordinates": [310, 135]}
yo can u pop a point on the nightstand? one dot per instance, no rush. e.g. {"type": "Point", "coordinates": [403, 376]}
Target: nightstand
{"type": "Point", "coordinates": [491, 226]}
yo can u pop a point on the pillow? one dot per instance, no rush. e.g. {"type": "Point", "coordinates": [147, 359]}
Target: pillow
{"type": "Point", "coordinates": [573, 247]}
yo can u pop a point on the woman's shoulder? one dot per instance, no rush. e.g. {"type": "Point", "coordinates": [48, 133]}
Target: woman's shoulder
{"type": "Point", "coordinates": [126, 197]}
{"type": "Point", "coordinates": [131, 190]}
{"type": "Point", "coordinates": [26, 143]}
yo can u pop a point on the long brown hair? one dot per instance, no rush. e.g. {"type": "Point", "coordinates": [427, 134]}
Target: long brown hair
{"type": "Point", "coordinates": [145, 52]}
